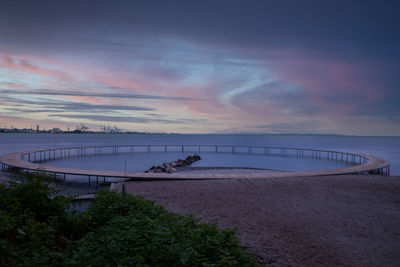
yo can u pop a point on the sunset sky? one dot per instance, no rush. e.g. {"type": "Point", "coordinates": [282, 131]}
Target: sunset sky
{"type": "Point", "coordinates": [202, 66]}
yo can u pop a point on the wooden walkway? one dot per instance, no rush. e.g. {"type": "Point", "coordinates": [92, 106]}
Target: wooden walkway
{"type": "Point", "coordinates": [22, 162]}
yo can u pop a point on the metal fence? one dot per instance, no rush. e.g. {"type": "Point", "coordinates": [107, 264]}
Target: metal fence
{"type": "Point", "coordinates": [63, 153]}
{"type": "Point", "coordinates": [25, 160]}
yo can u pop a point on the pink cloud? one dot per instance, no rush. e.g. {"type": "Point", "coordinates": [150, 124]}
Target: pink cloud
{"type": "Point", "coordinates": [24, 64]}
{"type": "Point", "coordinates": [335, 86]}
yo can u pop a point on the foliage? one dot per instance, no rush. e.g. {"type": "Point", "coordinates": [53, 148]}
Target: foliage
{"type": "Point", "coordinates": [30, 218]}
{"type": "Point", "coordinates": [36, 229]}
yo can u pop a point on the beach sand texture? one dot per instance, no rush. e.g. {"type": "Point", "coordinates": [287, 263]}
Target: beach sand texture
{"type": "Point", "coordinates": [347, 220]}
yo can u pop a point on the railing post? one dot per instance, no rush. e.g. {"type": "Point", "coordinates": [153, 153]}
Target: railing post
{"type": "Point", "coordinates": [123, 190]}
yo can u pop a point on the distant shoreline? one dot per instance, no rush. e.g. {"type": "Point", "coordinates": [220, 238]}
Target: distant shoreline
{"type": "Point", "coordinates": [209, 134]}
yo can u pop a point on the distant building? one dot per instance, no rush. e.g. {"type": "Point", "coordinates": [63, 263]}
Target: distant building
{"type": "Point", "coordinates": [37, 128]}
{"type": "Point", "coordinates": [56, 130]}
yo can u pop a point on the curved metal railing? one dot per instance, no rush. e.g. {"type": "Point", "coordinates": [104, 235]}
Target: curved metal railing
{"type": "Point", "coordinates": [26, 161]}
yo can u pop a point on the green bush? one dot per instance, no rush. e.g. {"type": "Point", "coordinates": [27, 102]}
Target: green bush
{"type": "Point", "coordinates": [30, 216]}
{"type": "Point", "coordinates": [114, 231]}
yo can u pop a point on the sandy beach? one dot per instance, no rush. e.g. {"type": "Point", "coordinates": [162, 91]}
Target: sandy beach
{"type": "Point", "coordinates": [348, 220]}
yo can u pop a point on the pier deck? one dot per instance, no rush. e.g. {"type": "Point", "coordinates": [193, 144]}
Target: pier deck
{"type": "Point", "coordinates": [23, 162]}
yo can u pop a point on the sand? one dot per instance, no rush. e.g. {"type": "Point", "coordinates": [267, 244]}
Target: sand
{"type": "Point", "coordinates": [348, 220]}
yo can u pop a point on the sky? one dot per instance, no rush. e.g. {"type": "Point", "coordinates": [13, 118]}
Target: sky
{"type": "Point", "coordinates": [320, 67]}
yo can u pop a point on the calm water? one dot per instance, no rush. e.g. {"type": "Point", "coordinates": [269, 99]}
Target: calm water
{"type": "Point", "coordinates": [385, 147]}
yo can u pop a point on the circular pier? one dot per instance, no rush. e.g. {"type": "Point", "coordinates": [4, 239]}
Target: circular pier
{"type": "Point", "coordinates": [28, 162]}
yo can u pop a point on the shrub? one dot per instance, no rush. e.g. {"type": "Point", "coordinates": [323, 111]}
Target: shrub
{"type": "Point", "coordinates": [30, 215]}
{"type": "Point", "coordinates": [131, 229]}
{"type": "Point", "coordinates": [114, 231]}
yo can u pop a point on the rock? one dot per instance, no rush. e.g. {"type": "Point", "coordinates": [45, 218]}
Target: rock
{"type": "Point", "coordinates": [170, 169]}
{"type": "Point", "coordinates": [159, 170]}
{"type": "Point", "coordinates": [171, 166]}
{"type": "Point", "coordinates": [180, 163]}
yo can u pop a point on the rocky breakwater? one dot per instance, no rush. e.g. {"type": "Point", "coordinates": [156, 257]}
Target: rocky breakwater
{"type": "Point", "coordinates": [174, 165]}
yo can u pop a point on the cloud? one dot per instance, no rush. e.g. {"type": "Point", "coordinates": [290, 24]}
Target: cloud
{"type": "Point", "coordinates": [131, 119]}
{"type": "Point", "coordinates": [256, 63]}
{"type": "Point", "coordinates": [254, 22]}
{"type": "Point", "coordinates": [24, 110]}
{"type": "Point", "coordinates": [63, 106]}
{"type": "Point", "coordinates": [337, 87]}
{"type": "Point", "coordinates": [78, 107]}
{"type": "Point", "coordinates": [274, 98]}
{"type": "Point", "coordinates": [104, 95]}
{"type": "Point", "coordinates": [25, 65]}
{"type": "Point", "coordinates": [23, 122]}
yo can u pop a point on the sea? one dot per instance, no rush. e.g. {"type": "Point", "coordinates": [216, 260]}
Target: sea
{"type": "Point", "coordinates": [384, 147]}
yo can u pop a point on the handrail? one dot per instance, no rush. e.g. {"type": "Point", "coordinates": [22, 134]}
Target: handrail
{"type": "Point", "coordinates": [25, 160]}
